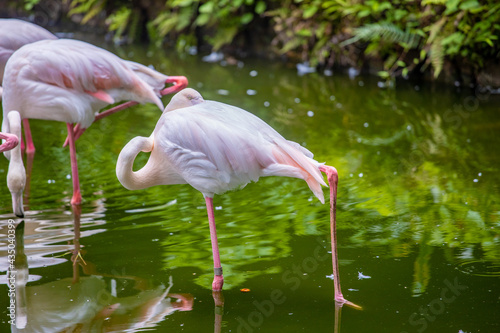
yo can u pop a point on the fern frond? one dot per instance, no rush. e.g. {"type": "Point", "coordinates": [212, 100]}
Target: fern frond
{"type": "Point", "coordinates": [437, 56]}
{"type": "Point", "coordinates": [435, 29]}
{"type": "Point", "coordinates": [386, 31]}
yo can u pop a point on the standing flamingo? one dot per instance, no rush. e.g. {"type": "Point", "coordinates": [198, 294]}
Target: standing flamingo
{"type": "Point", "coordinates": [69, 81]}
{"type": "Point", "coordinates": [15, 33]}
{"type": "Point", "coordinates": [216, 147]}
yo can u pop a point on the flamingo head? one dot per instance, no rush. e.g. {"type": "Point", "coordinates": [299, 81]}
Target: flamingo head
{"type": "Point", "coordinates": [180, 82]}
{"type": "Point", "coordinates": [16, 180]}
{"type": "Point", "coordinates": [183, 99]}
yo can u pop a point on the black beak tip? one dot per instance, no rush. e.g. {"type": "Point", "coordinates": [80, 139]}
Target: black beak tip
{"type": "Point", "coordinates": [21, 215]}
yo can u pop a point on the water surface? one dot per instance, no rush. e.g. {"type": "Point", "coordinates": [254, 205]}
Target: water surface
{"type": "Point", "coordinates": [418, 215]}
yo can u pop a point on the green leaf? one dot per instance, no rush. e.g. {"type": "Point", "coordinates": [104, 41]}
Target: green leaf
{"type": "Point", "coordinates": [364, 13]}
{"type": "Point", "coordinates": [207, 8]}
{"type": "Point", "coordinates": [246, 18]}
{"type": "Point", "coordinates": [423, 54]}
{"type": "Point", "coordinates": [202, 19]}
{"type": "Point", "coordinates": [433, 2]}
{"type": "Point", "coordinates": [399, 14]}
{"type": "Point", "coordinates": [260, 7]}
{"type": "Point", "coordinates": [182, 3]}
{"type": "Point", "coordinates": [451, 7]}
{"type": "Point", "coordinates": [383, 74]}
{"type": "Point", "coordinates": [470, 4]}
{"type": "Point", "coordinates": [304, 33]}
{"type": "Point", "coordinates": [309, 12]}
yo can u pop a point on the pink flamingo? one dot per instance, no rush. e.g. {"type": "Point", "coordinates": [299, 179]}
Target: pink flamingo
{"type": "Point", "coordinates": [216, 147]}
{"type": "Point", "coordinates": [69, 81]}
{"type": "Point", "coordinates": [15, 33]}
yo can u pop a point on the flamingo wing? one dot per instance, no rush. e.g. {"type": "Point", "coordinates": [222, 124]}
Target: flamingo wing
{"type": "Point", "coordinates": [217, 147]}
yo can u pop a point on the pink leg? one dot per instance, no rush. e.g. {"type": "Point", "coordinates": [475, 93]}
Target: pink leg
{"type": "Point", "coordinates": [333, 179]}
{"type": "Point", "coordinates": [218, 278]}
{"type": "Point", "coordinates": [30, 147]}
{"type": "Point", "coordinates": [77, 197]}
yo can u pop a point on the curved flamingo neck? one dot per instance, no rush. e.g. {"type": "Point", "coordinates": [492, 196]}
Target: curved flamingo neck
{"type": "Point", "coordinates": [16, 176]}
{"type": "Point", "coordinates": [130, 179]}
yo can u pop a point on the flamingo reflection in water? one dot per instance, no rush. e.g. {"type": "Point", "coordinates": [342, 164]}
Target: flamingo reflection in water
{"type": "Point", "coordinates": [216, 147]}
{"type": "Point", "coordinates": [69, 81]}
{"type": "Point", "coordinates": [88, 303]}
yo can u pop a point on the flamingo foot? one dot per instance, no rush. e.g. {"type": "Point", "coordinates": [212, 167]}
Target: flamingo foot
{"type": "Point", "coordinates": [217, 283]}
{"type": "Point", "coordinates": [77, 257]}
{"type": "Point", "coordinates": [342, 301]}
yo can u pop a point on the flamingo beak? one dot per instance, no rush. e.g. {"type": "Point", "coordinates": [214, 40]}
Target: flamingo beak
{"type": "Point", "coordinates": [180, 82]}
{"type": "Point", "coordinates": [17, 203]}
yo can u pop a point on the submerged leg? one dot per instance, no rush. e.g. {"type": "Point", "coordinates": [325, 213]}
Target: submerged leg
{"type": "Point", "coordinates": [30, 147]}
{"type": "Point", "coordinates": [333, 179]}
{"type": "Point", "coordinates": [77, 197]}
{"type": "Point", "coordinates": [218, 278]}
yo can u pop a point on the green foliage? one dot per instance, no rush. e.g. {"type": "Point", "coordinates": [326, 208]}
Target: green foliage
{"type": "Point", "coordinates": [443, 29]}
{"type": "Point", "coordinates": [407, 35]}
{"type": "Point", "coordinates": [88, 7]}
{"type": "Point", "coordinates": [221, 20]}
{"type": "Point", "coordinates": [384, 32]}
{"type": "Point", "coordinates": [29, 4]}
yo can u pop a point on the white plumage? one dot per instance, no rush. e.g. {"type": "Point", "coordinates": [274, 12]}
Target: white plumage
{"type": "Point", "coordinates": [216, 147]}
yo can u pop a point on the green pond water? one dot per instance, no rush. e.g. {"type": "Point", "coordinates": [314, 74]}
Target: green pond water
{"type": "Point", "coordinates": [418, 216]}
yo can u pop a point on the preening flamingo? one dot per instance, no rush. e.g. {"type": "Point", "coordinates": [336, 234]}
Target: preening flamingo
{"type": "Point", "coordinates": [68, 80]}
{"type": "Point", "coordinates": [216, 147]}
